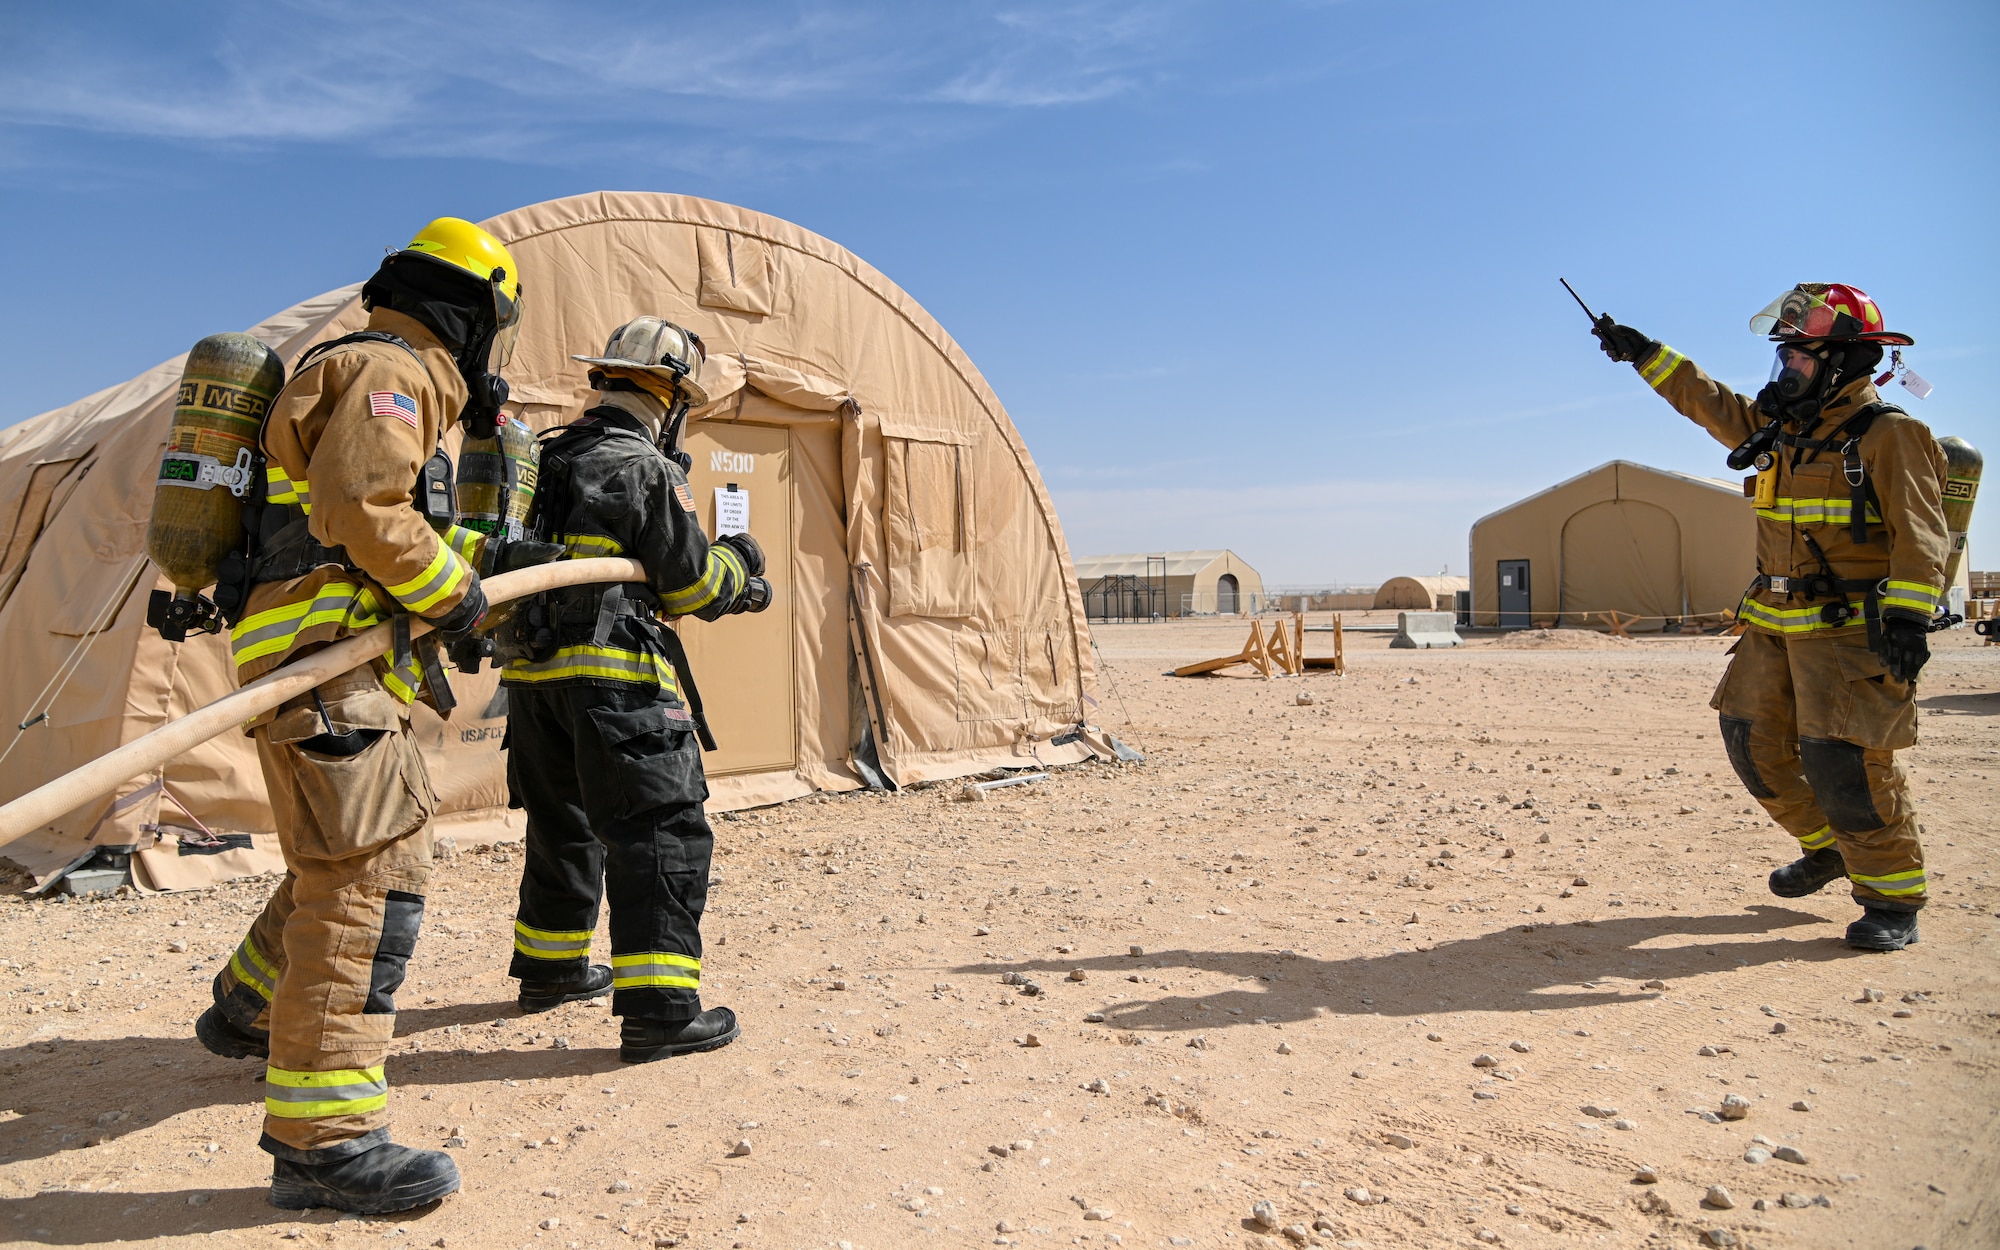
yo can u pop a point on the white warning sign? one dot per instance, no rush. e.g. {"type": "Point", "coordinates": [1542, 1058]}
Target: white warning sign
{"type": "Point", "coordinates": [732, 510]}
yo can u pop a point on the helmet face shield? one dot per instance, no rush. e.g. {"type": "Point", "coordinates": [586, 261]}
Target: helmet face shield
{"type": "Point", "coordinates": [507, 319]}
{"type": "Point", "coordinates": [1824, 310]}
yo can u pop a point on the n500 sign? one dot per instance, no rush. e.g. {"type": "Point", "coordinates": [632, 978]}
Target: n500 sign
{"type": "Point", "coordinates": [731, 462]}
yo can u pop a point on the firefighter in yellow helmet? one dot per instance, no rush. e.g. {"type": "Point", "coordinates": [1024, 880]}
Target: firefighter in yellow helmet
{"type": "Point", "coordinates": [356, 529]}
{"type": "Point", "coordinates": [604, 725]}
{"type": "Point", "coordinates": [1851, 549]}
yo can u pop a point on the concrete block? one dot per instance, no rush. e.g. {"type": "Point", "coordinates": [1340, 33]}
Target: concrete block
{"type": "Point", "coordinates": [1424, 630]}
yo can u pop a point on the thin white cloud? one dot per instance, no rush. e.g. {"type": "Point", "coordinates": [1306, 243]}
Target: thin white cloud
{"type": "Point", "coordinates": [679, 86]}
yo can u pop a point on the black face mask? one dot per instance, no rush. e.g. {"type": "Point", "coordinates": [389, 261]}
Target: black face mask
{"type": "Point", "coordinates": [485, 394]}
{"type": "Point", "coordinates": [1794, 393]}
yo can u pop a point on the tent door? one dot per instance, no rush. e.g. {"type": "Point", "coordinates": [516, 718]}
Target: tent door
{"type": "Point", "coordinates": [1516, 610]}
{"type": "Point", "coordinates": [1226, 595]}
{"type": "Point", "coordinates": [743, 663]}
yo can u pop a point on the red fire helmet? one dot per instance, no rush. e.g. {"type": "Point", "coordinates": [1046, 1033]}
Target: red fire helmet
{"type": "Point", "coordinates": [1825, 310]}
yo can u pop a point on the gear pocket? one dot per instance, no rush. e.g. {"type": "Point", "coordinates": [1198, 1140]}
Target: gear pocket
{"type": "Point", "coordinates": [648, 752]}
{"type": "Point", "coordinates": [1879, 712]}
{"type": "Point", "coordinates": [363, 801]}
{"type": "Point", "coordinates": [402, 916]}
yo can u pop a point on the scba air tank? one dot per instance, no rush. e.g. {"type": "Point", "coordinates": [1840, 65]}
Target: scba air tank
{"type": "Point", "coordinates": [1963, 464]}
{"type": "Point", "coordinates": [496, 483]}
{"type": "Point", "coordinates": [226, 388]}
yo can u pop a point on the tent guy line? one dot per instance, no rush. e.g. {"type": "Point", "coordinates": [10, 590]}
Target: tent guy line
{"type": "Point", "coordinates": [73, 662]}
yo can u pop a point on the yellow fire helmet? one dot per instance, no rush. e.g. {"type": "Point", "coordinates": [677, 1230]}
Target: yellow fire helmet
{"type": "Point", "coordinates": [459, 243]}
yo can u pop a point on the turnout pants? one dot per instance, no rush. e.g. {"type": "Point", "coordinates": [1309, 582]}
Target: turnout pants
{"type": "Point", "coordinates": [1812, 725]}
{"type": "Point", "coordinates": [612, 782]}
{"type": "Point", "coordinates": [321, 966]}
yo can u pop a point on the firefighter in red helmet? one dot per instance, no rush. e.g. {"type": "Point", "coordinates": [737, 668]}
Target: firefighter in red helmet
{"type": "Point", "coordinates": [1851, 549]}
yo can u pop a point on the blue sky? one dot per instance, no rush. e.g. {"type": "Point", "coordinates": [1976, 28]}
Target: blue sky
{"type": "Point", "coordinates": [1279, 277]}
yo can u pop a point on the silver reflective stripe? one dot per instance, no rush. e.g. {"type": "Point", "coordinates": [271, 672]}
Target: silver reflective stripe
{"type": "Point", "coordinates": [543, 944]}
{"type": "Point", "coordinates": [356, 1092]}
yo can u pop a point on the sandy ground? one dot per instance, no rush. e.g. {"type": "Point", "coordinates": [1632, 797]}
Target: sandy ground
{"type": "Point", "coordinates": [1302, 928]}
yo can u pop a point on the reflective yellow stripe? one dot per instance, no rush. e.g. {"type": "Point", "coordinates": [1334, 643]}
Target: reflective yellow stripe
{"type": "Point", "coordinates": [722, 562]}
{"type": "Point", "coordinates": [655, 968]}
{"type": "Point", "coordinates": [315, 1095]}
{"type": "Point", "coordinates": [401, 680]}
{"type": "Point", "coordinates": [444, 574]}
{"type": "Point", "coordinates": [1661, 366]}
{"type": "Point", "coordinates": [1814, 511]}
{"type": "Point", "coordinates": [590, 544]}
{"type": "Point", "coordinates": [1915, 596]}
{"type": "Point", "coordinates": [272, 632]}
{"type": "Point", "coordinates": [1893, 885]}
{"type": "Point", "coordinates": [464, 541]}
{"type": "Point", "coordinates": [279, 488]}
{"type": "Point", "coordinates": [640, 667]}
{"type": "Point", "coordinates": [253, 970]}
{"type": "Point", "coordinates": [1791, 620]}
{"type": "Point", "coordinates": [1818, 840]}
{"type": "Point", "coordinates": [551, 943]}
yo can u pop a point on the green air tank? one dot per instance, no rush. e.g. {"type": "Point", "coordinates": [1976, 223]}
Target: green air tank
{"type": "Point", "coordinates": [226, 388]}
{"type": "Point", "coordinates": [1963, 464]}
{"type": "Point", "coordinates": [496, 482]}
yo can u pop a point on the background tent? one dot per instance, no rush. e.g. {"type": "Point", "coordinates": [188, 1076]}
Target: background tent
{"type": "Point", "coordinates": [1420, 594]}
{"type": "Point", "coordinates": [1622, 537]}
{"type": "Point", "coordinates": [927, 622]}
{"type": "Point", "coordinates": [1196, 583]}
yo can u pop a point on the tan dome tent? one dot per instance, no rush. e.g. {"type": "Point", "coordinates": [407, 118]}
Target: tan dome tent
{"type": "Point", "coordinates": [1180, 583]}
{"type": "Point", "coordinates": [927, 623]}
{"type": "Point", "coordinates": [1623, 538]}
{"type": "Point", "coordinates": [1420, 594]}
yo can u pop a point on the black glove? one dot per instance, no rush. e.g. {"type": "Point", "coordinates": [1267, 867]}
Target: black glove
{"type": "Point", "coordinates": [464, 618]}
{"type": "Point", "coordinates": [755, 597]}
{"type": "Point", "coordinates": [747, 547]}
{"type": "Point", "coordinates": [1906, 647]}
{"type": "Point", "coordinates": [1622, 343]}
{"type": "Point", "coordinates": [522, 553]}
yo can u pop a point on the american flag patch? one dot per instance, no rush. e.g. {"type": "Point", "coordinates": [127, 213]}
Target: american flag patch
{"type": "Point", "coordinates": [393, 404]}
{"type": "Point", "coordinates": [682, 493]}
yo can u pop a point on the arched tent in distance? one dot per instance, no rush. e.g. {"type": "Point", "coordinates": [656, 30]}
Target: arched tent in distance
{"type": "Point", "coordinates": [1193, 583]}
{"type": "Point", "coordinates": [927, 622]}
{"type": "Point", "coordinates": [1622, 537]}
{"type": "Point", "coordinates": [1420, 594]}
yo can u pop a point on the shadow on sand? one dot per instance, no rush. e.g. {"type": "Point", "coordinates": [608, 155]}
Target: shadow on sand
{"type": "Point", "coordinates": [1542, 967]}
{"type": "Point", "coordinates": [59, 1088]}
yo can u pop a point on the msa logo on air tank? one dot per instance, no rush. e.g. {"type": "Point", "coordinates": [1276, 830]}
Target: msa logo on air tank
{"type": "Point", "coordinates": [216, 397]}
{"type": "Point", "coordinates": [731, 462]}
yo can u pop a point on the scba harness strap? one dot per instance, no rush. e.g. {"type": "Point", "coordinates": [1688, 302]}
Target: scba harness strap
{"type": "Point", "coordinates": [286, 550]}
{"type": "Point", "coordinates": [1827, 583]}
{"type": "Point", "coordinates": [1847, 438]}
{"type": "Point", "coordinates": [539, 628]}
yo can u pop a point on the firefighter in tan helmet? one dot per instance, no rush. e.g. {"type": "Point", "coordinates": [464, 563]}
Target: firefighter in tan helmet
{"type": "Point", "coordinates": [1851, 552]}
{"type": "Point", "coordinates": [605, 728]}
{"type": "Point", "coordinates": [356, 529]}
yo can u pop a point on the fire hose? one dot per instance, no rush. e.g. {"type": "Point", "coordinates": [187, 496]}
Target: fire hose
{"type": "Point", "coordinates": [143, 755]}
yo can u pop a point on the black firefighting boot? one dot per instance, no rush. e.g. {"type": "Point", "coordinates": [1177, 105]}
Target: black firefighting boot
{"type": "Point", "coordinates": [1881, 929]}
{"type": "Point", "coordinates": [1805, 876]}
{"type": "Point", "coordinates": [228, 1027]}
{"type": "Point", "coordinates": [385, 1178]}
{"type": "Point", "coordinates": [549, 995]}
{"type": "Point", "coordinates": [646, 1039]}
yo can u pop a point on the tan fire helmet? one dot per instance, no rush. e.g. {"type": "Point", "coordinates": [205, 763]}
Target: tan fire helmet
{"type": "Point", "coordinates": [657, 355]}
